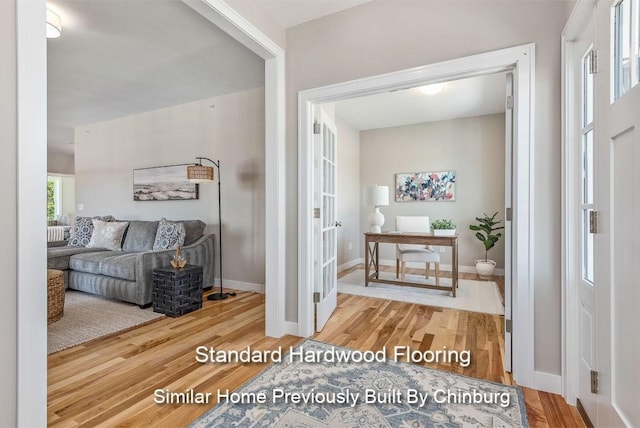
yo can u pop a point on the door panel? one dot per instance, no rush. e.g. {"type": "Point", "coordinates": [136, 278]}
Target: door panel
{"type": "Point", "coordinates": [325, 189]}
{"type": "Point", "coordinates": [625, 292]}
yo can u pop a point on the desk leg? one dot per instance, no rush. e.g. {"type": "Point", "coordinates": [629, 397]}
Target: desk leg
{"type": "Point", "coordinates": [454, 266]}
{"type": "Point", "coordinates": [377, 260]}
{"type": "Point", "coordinates": [366, 262]}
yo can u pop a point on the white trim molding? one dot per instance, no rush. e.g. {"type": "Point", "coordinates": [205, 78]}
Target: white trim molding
{"type": "Point", "coordinates": [229, 20]}
{"type": "Point", "coordinates": [350, 264]}
{"type": "Point", "coordinates": [291, 328]}
{"type": "Point", "coordinates": [240, 285]}
{"type": "Point", "coordinates": [548, 382]}
{"type": "Point", "coordinates": [31, 230]}
{"type": "Point", "coordinates": [521, 61]}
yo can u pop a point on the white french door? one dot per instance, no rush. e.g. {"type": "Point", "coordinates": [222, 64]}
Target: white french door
{"type": "Point", "coordinates": [325, 222]}
{"type": "Point", "coordinates": [617, 200]}
{"type": "Point", "coordinates": [584, 210]}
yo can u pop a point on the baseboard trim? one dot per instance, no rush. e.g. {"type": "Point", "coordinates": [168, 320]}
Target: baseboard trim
{"type": "Point", "coordinates": [291, 328]}
{"type": "Point", "coordinates": [240, 285]}
{"type": "Point", "coordinates": [547, 382]}
{"type": "Point", "coordinates": [416, 265]}
{"type": "Point", "coordinates": [350, 264]}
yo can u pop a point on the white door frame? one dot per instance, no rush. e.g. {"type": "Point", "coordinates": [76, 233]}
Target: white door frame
{"type": "Point", "coordinates": [519, 59]}
{"type": "Point", "coordinates": [570, 198]}
{"type": "Point", "coordinates": [230, 21]}
{"type": "Point", "coordinates": [32, 154]}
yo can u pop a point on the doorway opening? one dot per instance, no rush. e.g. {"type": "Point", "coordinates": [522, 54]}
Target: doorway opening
{"type": "Point", "coordinates": [462, 135]}
{"type": "Point", "coordinates": [519, 62]}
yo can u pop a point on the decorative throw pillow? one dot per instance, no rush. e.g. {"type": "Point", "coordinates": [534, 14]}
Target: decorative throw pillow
{"type": "Point", "coordinates": [169, 235]}
{"type": "Point", "coordinates": [82, 229]}
{"type": "Point", "coordinates": [107, 234]}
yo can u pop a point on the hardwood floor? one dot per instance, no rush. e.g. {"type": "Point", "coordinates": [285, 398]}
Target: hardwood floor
{"type": "Point", "coordinates": [110, 381]}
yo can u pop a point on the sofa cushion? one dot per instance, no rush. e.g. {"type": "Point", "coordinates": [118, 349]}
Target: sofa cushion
{"type": "Point", "coordinates": [82, 229]}
{"type": "Point", "coordinates": [194, 230]}
{"type": "Point", "coordinates": [121, 266]}
{"type": "Point", "coordinates": [140, 235]}
{"type": "Point", "coordinates": [107, 234]}
{"type": "Point", "coordinates": [89, 262]}
{"type": "Point", "coordinates": [58, 257]}
{"type": "Point", "coordinates": [170, 235]}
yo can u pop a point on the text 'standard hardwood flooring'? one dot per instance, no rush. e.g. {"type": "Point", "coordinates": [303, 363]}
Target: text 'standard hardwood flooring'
{"type": "Point", "coordinates": [110, 381]}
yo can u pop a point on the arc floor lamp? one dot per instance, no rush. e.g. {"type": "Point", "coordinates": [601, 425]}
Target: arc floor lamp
{"type": "Point", "coordinates": [198, 173]}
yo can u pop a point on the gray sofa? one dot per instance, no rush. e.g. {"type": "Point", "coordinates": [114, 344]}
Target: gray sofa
{"type": "Point", "coordinates": [128, 274]}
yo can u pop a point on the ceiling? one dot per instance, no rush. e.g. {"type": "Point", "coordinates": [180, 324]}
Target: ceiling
{"type": "Point", "coordinates": [116, 58]}
{"type": "Point", "coordinates": [289, 13]}
{"type": "Point", "coordinates": [475, 96]}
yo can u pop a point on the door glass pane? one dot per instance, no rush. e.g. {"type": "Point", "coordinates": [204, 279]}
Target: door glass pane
{"type": "Point", "coordinates": [587, 167]}
{"type": "Point", "coordinates": [622, 47]}
{"type": "Point", "coordinates": [587, 91]}
{"type": "Point", "coordinates": [587, 249]}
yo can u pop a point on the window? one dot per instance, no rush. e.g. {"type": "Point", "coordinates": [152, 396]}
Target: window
{"type": "Point", "coordinates": [54, 199]}
{"type": "Point", "coordinates": [626, 17]}
{"type": "Point", "coordinates": [587, 203]}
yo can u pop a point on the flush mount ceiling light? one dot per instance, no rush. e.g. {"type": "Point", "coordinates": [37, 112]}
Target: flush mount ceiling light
{"type": "Point", "coordinates": [432, 89]}
{"type": "Point", "coordinates": [54, 25]}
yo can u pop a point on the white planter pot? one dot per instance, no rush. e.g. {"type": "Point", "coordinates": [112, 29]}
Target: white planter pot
{"type": "Point", "coordinates": [444, 232]}
{"type": "Point", "coordinates": [485, 268]}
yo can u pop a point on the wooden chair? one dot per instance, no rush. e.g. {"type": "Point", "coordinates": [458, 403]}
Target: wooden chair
{"type": "Point", "coordinates": [415, 253]}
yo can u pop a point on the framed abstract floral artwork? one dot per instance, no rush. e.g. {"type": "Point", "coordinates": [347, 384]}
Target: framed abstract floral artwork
{"type": "Point", "coordinates": [426, 186]}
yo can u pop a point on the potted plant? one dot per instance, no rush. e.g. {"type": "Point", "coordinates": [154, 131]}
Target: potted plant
{"type": "Point", "coordinates": [485, 232]}
{"type": "Point", "coordinates": [443, 227]}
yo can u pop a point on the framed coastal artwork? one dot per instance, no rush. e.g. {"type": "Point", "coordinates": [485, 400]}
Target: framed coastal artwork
{"type": "Point", "coordinates": [164, 183]}
{"type": "Point", "coordinates": [426, 186]}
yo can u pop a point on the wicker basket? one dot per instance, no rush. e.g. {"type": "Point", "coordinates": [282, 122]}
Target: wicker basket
{"type": "Point", "coordinates": [55, 295]}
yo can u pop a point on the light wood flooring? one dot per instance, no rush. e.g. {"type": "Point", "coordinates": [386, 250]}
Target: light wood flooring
{"type": "Point", "coordinates": [110, 381]}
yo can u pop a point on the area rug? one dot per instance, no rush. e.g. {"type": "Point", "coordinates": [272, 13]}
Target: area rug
{"type": "Point", "coordinates": [476, 296]}
{"type": "Point", "coordinates": [371, 394]}
{"type": "Point", "coordinates": [87, 317]}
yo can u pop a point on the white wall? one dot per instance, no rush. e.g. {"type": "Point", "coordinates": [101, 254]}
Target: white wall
{"type": "Point", "coordinates": [8, 219]}
{"type": "Point", "coordinates": [349, 195]}
{"type": "Point", "coordinates": [59, 163]}
{"type": "Point", "coordinates": [68, 196]}
{"type": "Point", "coordinates": [380, 37]}
{"type": "Point", "coordinates": [233, 132]}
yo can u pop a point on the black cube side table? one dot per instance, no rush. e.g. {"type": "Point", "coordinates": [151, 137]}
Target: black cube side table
{"type": "Point", "coordinates": [177, 291]}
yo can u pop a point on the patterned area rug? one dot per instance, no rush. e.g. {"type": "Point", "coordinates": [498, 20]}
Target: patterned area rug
{"type": "Point", "coordinates": [368, 394]}
{"type": "Point", "coordinates": [476, 296]}
{"type": "Point", "coordinates": [87, 317]}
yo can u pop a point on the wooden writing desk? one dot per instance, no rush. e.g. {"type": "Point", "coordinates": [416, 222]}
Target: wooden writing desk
{"type": "Point", "coordinates": [372, 258]}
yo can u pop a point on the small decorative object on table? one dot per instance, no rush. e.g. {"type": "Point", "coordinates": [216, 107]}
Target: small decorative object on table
{"type": "Point", "coordinates": [443, 227]}
{"type": "Point", "coordinates": [177, 291]}
{"type": "Point", "coordinates": [178, 260]}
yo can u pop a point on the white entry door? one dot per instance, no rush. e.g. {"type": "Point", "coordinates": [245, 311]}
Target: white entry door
{"type": "Point", "coordinates": [617, 200]}
{"type": "Point", "coordinates": [325, 222]}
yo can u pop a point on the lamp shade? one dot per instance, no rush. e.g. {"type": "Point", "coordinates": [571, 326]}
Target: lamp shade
{"type": "Point", "coordinates": [54, 25]}
{"type": "Point", "coordinates": [199, 173]}
{"type": "Point", "coordinates": [376, 196]}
